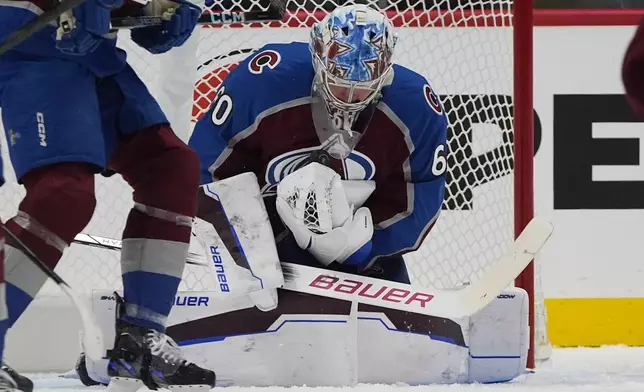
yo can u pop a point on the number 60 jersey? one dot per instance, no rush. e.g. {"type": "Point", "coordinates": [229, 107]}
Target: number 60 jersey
{"type": "Point", "coordinates": [262, 121]}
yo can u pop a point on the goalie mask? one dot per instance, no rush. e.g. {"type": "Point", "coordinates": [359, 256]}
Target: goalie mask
{"type": "Point", "coordinates": [352, 51]}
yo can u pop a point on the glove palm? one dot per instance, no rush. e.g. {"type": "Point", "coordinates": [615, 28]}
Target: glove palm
{"type": "Point", "coordinates": [313, 204]}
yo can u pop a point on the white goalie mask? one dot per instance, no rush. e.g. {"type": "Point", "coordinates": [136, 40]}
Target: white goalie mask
{"type": "Point", "coordinates": [352, 50]}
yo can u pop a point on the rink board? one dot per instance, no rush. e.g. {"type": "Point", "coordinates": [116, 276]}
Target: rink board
{"type": "Point", "coordinates": [594, 322]}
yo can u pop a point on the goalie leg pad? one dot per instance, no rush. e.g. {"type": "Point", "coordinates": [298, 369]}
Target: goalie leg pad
{"type": "Point", "coordinates": [164, 173]}
{"type": "Point", "coordinates": [58, 205]}
{"type": "Point", "coordinates": [235, 233]}
{"type": "Point", "coordinates": [499, 338]}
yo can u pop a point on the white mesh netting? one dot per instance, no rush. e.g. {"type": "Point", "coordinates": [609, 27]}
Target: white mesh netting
{"type": "Point", "coordinates": [465, 50]}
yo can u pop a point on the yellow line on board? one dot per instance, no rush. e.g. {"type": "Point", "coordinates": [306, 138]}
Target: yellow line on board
{"type": "Point", "coordinates": [595, 321]}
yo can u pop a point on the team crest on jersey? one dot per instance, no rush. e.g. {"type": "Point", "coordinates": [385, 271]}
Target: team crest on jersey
{"type": "Point", "coordinates": [357, 166]}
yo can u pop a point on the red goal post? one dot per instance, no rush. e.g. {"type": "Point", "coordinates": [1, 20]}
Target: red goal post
{"type": "Point", "coordinates": [524, 159]}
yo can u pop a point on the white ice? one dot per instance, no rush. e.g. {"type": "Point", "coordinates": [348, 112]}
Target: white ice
{"type": "Point", "coordinates": [605, 369]}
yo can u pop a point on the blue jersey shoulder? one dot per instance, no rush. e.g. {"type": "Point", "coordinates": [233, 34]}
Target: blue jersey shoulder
{"type": "Point", "coordinates": [273, 78]}
{"type": "Point", "coordinates": [416, 108]}
{"type": "Point", "coordinates": [414, 102]}
{"type": "Point", "coordinates": [274, 75]}
{"type": "Point", "coordinates": [410, 102]}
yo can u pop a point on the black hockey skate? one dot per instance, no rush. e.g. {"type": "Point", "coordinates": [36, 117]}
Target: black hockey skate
{"type": "Point", "coordinates": [145, 356]}
{"type": "Point", "coordinates": [22, 383]}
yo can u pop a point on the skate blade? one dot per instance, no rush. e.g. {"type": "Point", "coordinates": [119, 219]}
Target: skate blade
{"type": "Point", "coordinates": [122, 384]}
{"type": "Point", "coordinates": [191, 388]}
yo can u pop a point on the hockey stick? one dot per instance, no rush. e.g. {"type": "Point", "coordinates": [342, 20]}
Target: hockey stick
{"type": "Point", "coordinates": [275, 12]}
{"type": "Point", "coordinates": [446, 303]}
{"type": "Point", "coordinates": [18, 36]}
{"type": "Point", "coordinates": [92, 335]}
{"type": "Point", "coordinates": [114, 244]}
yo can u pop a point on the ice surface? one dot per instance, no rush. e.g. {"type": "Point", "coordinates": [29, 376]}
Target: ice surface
{"type": "Point", "coordinates": [605, 369]}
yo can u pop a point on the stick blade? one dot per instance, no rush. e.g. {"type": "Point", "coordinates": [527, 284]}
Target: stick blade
{"type": "Point", "coordinates": [93, 343]}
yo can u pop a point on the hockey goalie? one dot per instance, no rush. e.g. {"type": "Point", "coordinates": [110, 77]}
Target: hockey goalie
{"type": "Point", "coordinates": [326, 154]}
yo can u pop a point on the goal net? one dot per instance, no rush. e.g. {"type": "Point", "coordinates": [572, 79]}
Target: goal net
{"type": "Point", "coordinates": [464, 48]}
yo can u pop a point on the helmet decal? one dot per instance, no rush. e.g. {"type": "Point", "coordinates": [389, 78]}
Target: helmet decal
{"type": "Point", "coordinates": [352, 51]}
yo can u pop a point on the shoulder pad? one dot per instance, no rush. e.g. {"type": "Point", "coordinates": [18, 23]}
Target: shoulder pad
{"type": "Point", "coordinates": [271, 76]}
{"type": "Point", "coordinates": [414, 102]}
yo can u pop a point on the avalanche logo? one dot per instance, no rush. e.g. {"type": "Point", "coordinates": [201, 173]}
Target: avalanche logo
{"type": "Point", "coordinates": [357, 166]}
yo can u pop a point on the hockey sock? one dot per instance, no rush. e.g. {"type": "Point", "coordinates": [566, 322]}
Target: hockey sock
{"type": "Point", "coordinates": [4, 326]}
{"type": "Point", "coordinates": [23, 278]}
{"type": "Point", "coordinates": [58, 205]}
{"type": "Point", "coordinates": [164, 173]}
{"type": "Point", "coordinates": [152, 270]}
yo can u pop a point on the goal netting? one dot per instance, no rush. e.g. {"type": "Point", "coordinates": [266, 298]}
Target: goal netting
{"type": "Point", "coordinates": [464, 48]}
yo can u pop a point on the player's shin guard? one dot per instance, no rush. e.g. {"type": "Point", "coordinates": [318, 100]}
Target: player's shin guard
{"type": "Point", "coordinates": [58, 205]}
{"type": "Point", "coordinates": [151, 268]}
{"type": "Point", "coordinates": [9, 378]}
{"type": "Point", "coordinates": [163, 171]}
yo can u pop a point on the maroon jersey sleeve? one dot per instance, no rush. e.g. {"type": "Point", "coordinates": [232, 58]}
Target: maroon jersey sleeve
{"type": "Point", "coordinates": [633, 70]}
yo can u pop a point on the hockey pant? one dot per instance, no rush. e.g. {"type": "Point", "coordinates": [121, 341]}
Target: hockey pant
{"type": "Point", "coordinates": [70, 126]}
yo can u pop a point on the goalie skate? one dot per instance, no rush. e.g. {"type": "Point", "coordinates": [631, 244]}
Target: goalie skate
{"type": "Point", "coordinates": [145, 357]}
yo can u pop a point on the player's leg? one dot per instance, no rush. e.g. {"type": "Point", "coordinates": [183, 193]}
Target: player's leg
{"type": "Point", "coordinates": [163, 172]}
{"type": "Point", "coordinates": [55, 144]}
{"type": "Point", "coordinates": [53, 187]}
{"type": "Point", "coordinates": [9, 379]}
{"type": "Point", "coordinates": [6, 381]}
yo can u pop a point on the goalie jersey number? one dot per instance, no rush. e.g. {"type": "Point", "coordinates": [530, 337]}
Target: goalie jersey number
{"type": "Point", "coordinates": [223, 103]}
{"type": "Point", "coordinates": [222, 107]}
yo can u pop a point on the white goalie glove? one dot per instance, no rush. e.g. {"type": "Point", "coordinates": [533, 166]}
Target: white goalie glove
{"type": "Point", "coordinates": [320, 210]}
